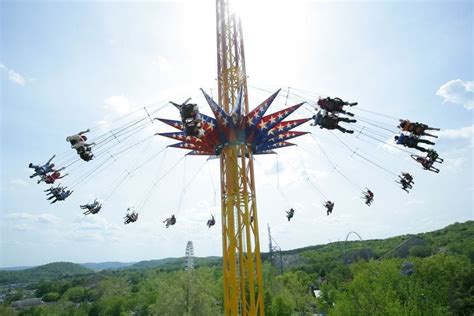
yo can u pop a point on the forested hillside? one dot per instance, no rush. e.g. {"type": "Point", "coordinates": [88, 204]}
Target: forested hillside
{"type": "Point", "coordinates": [50, 271]}
{"type": "Point", "coordinates": [424, 274]}
{"type": "Point", "coordinates": [106, 265]}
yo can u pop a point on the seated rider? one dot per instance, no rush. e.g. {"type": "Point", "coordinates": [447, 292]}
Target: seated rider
{"type": "Point", "coordinates": [426, 163]}
{"type": "Point", "coordinates": [130, 217]}
{"type": "Point", "coordinates": [329, 206]}
{"type": "Point", "coordinates": [92, 208]}
{"type": "Point", "coordinates": [43, 169]}
{"type": "Point", "coordinates": [433, 156]}
{"type": "Point", "coordinates": [331, 121]}
{"type": "Point", "coordinates": [77, 138]}
{"type": "Point", "coordinates": [193, 128]}
{"type": "Point", "coordinates": [211, 222]}
{"type": "Point", "coordinates": [78, 142]}
{"type": "Point", "coordinates": [84, 149]}
{"type": "Point", "coordinates": [61, 195]}
{"type": "Point", "coordinates": [51, 178]}
{"type": "Point", "coordinates": [189, 110]}
{"type": "Point", "coordinates": [408, 177]}
{"type": "Point", "coordinates": [405, 184]}
{"type": "Point", "coordinates": [369, 197]}
{"type": "Point", "coordinates": [334, 105]}
{"type": "Point", "coordinates": [93, 211]}
{"type": "Point", "coordinates": [412, 142]}
{"type": "Point", "coordinates": [86, 155]}
{"type": "Point", "coordinates": [418, 129]}
{"type": "Point", "coordinates": [189, 113]}
{"type": "Point", "coordinates": [54, 190]}
{"type": "Point", "coordinates": [170, 221]}
{"type": "Point", "coordinates": [405, 126]}
{"type": "Point", "coordinates": [290, 213]}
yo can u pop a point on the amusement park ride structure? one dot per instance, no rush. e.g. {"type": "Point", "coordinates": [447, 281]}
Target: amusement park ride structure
{"type": "Point", "coordinates": [235, 135]}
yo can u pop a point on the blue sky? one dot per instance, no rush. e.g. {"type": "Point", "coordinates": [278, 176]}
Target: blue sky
{"type": "Point", "coordinates": [69, 66]}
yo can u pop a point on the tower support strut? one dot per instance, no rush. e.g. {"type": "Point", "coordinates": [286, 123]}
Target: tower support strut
{"type": "Point", "coordinates": [242, 271]}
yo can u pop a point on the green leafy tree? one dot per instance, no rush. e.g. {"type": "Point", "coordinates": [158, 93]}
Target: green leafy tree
{"type": "Point", "coordinates": [51, 297]}
{"type": "Point", "coordinates": [420, 251]}
{"type": "Point", "coordinates": [440, 285]}
{"type": "Point", "coordinates": [282, 305]}
{"type": "Point", "coordinates": [75, 294]}
{"type": "Point", "coordinates": [6, 311]}
{"type": "Point", "coordinates": [298, 286]}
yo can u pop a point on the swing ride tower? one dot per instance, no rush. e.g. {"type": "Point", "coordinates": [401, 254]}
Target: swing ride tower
{"type": "Point", "coordinates": [235, 135]}
{"type": "Point", "coordinates": [242, 268]}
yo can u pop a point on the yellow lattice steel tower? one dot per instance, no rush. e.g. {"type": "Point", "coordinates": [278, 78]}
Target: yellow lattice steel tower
{"type": "Point", "coordinates": [242, 270]}
{"type": "Point", "coordinates": [235, 135]}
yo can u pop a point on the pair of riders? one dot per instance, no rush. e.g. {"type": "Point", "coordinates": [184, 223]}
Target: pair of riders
{"type": "Point", "coordinates": [418, 129]}
{"type": "Point", "coordinates": [369, 197]}
{"type": "Point", "coordinates": [406, 180]}
{"type": "Point", "coordinates": [412, 141]}
{"type": "Point", "coordinates": [78, 142]}
{"type": "Point", "coordinates": [327, 117]}
{"type": "Point", "coordinates": [427, 162]}
{"type": "Point", "coordinates": [58, 193]}
{"type": "Point", "coordinates": [51, 178]}
{"type": "Point", "coordinates": [92, 208]}
{"type": "Point", "coordinates": [170, 221]}
{"type": "Point", "coordinates": [130, 217]}
{"type": "Point", "coordinates": [335, 105]}
{"type": "Point", "coordinates": [329, 207]}
{"type": "Point", "coordinates": [133, 216]}
{"type": "Point", "coordinates": [331, 121]}
{"type": "Point", "coordinates": [190, 118]}
{"type": "Point", "coordinates": [46, 172]}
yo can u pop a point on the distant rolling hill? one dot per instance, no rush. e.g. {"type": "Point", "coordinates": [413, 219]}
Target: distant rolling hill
{"type": "Point", "coordinates": [457, 238]}
{"type": "Point", "coordinates": [16, 268]}
{"type": "Point", "coordinates": [175, 263]}
{"type": "Point", "coordinates": [48, 271]}
{"type": "Point", "coordinates": [107, 265]}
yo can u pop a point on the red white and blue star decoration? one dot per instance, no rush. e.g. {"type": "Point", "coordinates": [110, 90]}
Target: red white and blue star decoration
{"type": "Point", "coordinates": [263, 133]}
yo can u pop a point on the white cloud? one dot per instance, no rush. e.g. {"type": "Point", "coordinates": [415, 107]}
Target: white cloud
{"type": "Point", "coordinates": [21, 227]}
{"type": "Point", "coordinates": [460, 133]}
{"type": "Point", "coordinates": [416, 202]}
{"type": "Point", "coordinates": [119, 104]}
{"type": "Point", "coordinates": [47, 219]}
{"type": "Point", "coordinates": [458, 92]}
{"type": "Point", "coordinates": [24, 219]}
{"type": "Point", "coordinates": [14, 76]}
{"type": "Point", "coordinates": [163, 64]}
{"type": "Point", "coordinates": [18, 182]}
{"type": "Point", "coordinates": [86, 228]}
{"type": "Point", "coordinates": [456, 164]}
{"type": "Point", "coordinates": [19, 216]}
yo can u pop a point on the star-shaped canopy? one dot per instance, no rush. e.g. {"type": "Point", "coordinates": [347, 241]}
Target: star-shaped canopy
{"type": "Point", "coordinates": [263, 133]}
